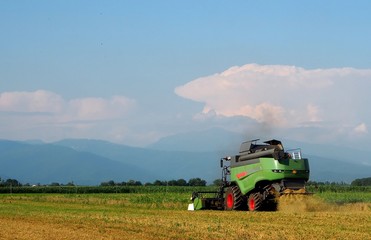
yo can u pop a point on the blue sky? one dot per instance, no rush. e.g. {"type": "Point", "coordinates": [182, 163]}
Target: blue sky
{"type": "Point", "coordinates": [135, 71]}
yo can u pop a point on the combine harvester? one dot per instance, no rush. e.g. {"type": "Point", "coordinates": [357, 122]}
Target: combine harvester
{"type": "Point", "coordinates": [256, 178]}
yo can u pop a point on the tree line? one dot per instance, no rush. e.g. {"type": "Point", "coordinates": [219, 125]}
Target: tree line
{"type": "Point", "coordinates": [180, 182]}
{"type": "Point", "coordinates": [362, 182]}
{"type": "Point", "coordinates": [356, 182]}
{"type": "Point", "coordinates": [10, 182]}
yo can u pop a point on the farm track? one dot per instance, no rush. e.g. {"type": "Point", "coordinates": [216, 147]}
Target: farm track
{"type": "Point", "coordinates": [139, 216]}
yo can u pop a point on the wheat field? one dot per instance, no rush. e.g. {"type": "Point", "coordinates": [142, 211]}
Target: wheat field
{"type": "Point", "coordinates": [164, 216]}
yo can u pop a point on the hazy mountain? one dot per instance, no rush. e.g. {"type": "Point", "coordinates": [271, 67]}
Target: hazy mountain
{"type": "Point", "coordinates": [47, 163]}
{"type": "Point", "coordinates": [326, 169]}
{"type": "Point", "coordinates": [214, 139]}
{"type": "Point", "coordinates": [164, 164]}
{"type": "Point", "coordinates": [90, 162]}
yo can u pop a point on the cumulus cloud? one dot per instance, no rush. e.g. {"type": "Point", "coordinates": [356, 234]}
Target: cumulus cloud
{"type": "Point", "coordinates": [361, 129]}
{"type": "Point", "coordinates": [47, 115]}
{"type": "Point", "coordinates": [86, 109]}
{"type": "Point", "coordinates": [38, 101]}
{"type": "Point", "coordinates": [99, 108]}
{"type": "Point", "coordinates": [284, 96]}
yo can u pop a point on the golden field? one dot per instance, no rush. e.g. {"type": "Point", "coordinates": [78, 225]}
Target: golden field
{"type": "Point", "coordinates": [156, 216]}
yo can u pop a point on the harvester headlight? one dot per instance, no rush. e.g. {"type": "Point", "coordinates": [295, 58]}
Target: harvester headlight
{"type": "Point", "coordinates": [277, 170]}
{"type": "Point", "coordinates": [294, 171]}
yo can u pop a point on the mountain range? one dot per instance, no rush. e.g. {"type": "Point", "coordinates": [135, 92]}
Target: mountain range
{"type": "Point", "coordinates": [183, 156]}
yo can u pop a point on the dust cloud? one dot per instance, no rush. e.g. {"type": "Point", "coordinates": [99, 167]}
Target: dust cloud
{"type": "Point", "coordinates": [311, 203]}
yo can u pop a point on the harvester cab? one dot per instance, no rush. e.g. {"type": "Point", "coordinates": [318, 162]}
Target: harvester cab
{"type": "Point", "coordinates": [225, 169]}
{"type": "Point", "coordinates": [255, 178]}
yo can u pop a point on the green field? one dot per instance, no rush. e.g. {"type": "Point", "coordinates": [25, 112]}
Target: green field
{"type": "Point", "coordinates": [162, 214]}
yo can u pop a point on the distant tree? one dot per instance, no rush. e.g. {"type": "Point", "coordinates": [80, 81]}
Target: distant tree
{"type": "Point", "coordinates": [181, 182]}
{"type": "Point", "coordinates": [103, 184]}
{"type": "Point", "coordinates": [172, 183]}
{"type": "Point", "coordinates": [12, 182]}
{"type": "Point", "coordinates": [159, 183]}
{"type": "Point", "coordinates": [362, 182]}
{"type": "Point", "coordinates": [109, 183]}
{"type": "Point", "coordinates": [54, 184]}
{"type": "Point", "coordinates": [196, 182]}
{"type": "Point", "coordinates": [70, 184]}
{"type": "Point", "coordinates": [128, 183]}
{"type": "Point", "coordinates": [134, 183]}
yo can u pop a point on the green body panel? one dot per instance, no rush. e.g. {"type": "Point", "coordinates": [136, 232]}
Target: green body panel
{"type": "Point", "coordinates": [197, 204]}
{"type": "Point", "coordinates": [262, 169]}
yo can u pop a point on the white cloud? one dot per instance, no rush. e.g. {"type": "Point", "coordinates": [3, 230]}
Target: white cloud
{"type": "Point", "coordinates": [80, 109]}
{"type": "Point", "coordinates": [46, 115]}
{"type": "Point", "coordinates": [313, 113]}
{"type": "Point", "coordinates": [285, 96]}
{"type": "Point", "coordinates": [38, 101]}
{"type": "Point", "coordinates": [361, 129]}
{"type": "Point", "coordinates": [99, 108]}
{"type": "Point", "coordinates": [317, 104]}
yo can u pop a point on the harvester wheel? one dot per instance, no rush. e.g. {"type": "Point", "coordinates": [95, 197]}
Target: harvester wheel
{"type": "Point", "coordinates": [255, 201]}
{"type": "Point", "coordinates": [233, 198]}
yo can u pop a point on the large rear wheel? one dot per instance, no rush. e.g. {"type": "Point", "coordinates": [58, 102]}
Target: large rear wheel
{"type": "Point", "coordinates": [233, 198]}
{"type": "Point", "coordinates": [255, 201]}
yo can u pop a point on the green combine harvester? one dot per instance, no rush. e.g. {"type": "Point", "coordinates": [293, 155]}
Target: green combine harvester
{"type": "Point", "coordinates": [255, 178]}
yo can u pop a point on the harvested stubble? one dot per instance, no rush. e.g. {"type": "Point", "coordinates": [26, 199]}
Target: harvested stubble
{"type": "Point", "coordinates": [118, 217]}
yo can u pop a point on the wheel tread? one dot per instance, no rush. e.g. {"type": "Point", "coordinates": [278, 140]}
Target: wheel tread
{"type": "Point", "coordinates": [258, 201]}
{"type": "Point", "coordinates": [238, 198]}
